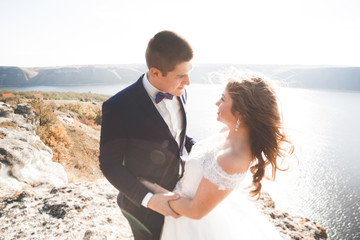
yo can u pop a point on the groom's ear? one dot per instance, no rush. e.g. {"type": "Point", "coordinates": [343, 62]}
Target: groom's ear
{"type": "Point", "coordinates": [155, 73]}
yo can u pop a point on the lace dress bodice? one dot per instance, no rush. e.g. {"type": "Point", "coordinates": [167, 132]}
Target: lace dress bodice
{"type": "Point", "coordinates": [201, 163]}
{"type": "Point", "coordinates": [233, 218]}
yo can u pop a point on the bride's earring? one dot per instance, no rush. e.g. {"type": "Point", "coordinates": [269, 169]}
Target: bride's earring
{"type": "Point", "coordinates": [237, 125]}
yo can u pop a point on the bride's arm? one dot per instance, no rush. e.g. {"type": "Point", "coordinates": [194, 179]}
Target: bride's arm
{"type": "Point", "coordinates": [206, 198]}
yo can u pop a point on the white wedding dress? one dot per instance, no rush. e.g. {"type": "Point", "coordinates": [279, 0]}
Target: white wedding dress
{"type": "Point", "coordinates": [235, 218]}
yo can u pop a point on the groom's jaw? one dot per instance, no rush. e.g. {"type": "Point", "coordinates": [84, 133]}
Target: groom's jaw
{"type": "Point", "coordinates": [179, 91]}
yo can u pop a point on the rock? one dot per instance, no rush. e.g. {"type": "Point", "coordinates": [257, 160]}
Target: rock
{"type": "Point", "coordinates": [55, 210]}
{"type": "Point", "coordinates": [322, 232]}
{"type": "Point", "coordinates": [76, 211]}
{"type": "Point", "coordinates": [17, 198]}
{"type": "Point", "coordinates": [5, 111]}
{"type": "Point", "coordinates": [26, 111]}
{"type": "Point", "coordinates": [24, 158]}
{"type": "Point", "coordinates": [20, 116]}
{"type": "Point", "coordinates": [88, 234]}
{"type": "Point", "coordinates": [289, 226]}
{"type": "Point", "coordinates": [88, 210]}
{"type": "Point", "coordinates": [267, 200]}
{"type": "Point", "coordinates": [66, 119]}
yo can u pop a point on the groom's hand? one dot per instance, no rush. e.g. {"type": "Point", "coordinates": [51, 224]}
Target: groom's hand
{"type": "Point", "coordinates": [159, 202]}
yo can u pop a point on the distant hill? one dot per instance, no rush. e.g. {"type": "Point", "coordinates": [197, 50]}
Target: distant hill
{"type": "Point", "coordinates": [346, 78]}
{"type": "Point", "coordinates": [74, 75]}
{"type": "Point", "coordinates": [316, 77]}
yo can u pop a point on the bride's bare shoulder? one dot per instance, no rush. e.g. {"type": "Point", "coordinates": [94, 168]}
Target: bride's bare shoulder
{"type": "Point", "coordinates": [234, 163]}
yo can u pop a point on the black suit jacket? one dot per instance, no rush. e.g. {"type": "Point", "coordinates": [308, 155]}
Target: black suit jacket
{"type": "Point", "coordinates": [136, 142]}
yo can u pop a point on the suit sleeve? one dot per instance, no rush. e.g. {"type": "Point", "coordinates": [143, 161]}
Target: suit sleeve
{"type": "Point", "coordinates": [189, 142]}
{"type": "Point", "coordinates": [113, 145]}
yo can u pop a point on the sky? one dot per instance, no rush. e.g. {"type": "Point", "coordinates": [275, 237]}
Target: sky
{"type": "Point", "coordinates": [41, 33]}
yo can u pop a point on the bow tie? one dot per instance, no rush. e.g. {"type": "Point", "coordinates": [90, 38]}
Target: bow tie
{"type": "Point", "coordinates": [160, 96]}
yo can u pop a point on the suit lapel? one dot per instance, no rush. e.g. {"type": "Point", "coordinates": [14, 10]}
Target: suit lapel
{"type": "Point", "coordinates": [145, 103]}
{"type": "Point", "coordinates": [183, 111]}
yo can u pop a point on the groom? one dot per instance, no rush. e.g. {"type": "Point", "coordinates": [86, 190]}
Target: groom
{"type": "Point", "coordinates": [143, 135]}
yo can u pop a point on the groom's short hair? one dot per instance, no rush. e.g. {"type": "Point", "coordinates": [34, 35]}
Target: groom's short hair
{"type": "Point", "coordinates": [167, 49]}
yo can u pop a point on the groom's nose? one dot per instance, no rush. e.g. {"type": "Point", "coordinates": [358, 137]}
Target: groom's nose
{"type": "Point", "coordinates": [186, 80]}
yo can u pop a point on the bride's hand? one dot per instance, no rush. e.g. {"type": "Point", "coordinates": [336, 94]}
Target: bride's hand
{"type": "Point", "coordinates": [153, 187]}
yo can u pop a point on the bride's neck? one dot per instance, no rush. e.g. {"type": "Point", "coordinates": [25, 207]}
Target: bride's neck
{"type": "Point", "coordinates": [241, 133]}
{"type": "Point", "coordinates": [235, 138]}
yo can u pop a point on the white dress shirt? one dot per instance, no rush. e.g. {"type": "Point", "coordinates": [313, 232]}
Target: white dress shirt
{"type": "Point", "coordinates": [170, 110]}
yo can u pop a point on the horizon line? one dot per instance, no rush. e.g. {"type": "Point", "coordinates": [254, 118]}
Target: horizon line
{"type": "Point", "coordinates": [196, 63]}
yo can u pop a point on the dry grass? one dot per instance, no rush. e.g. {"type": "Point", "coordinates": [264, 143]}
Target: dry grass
{"type": "Point", "coordinates": [72, 146]}
{"type": "Point", "coordinates": [85, 153]}
{"type": "Point", "coordinates": [76, 147]}
{"type": "Point", "coordinates": [21, 96]}
{"type": "Point", "coordinates": [12, 125]}
{"type": "Point", "coordinates": [87, 113]}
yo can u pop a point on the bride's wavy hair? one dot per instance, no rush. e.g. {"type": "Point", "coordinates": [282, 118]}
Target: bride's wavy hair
{"type": "Point", "coordinates": [255, 99]}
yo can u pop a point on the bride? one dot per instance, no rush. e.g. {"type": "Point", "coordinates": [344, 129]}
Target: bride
{"type": "Point", "coordinates": [252, 139]}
